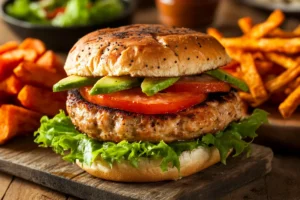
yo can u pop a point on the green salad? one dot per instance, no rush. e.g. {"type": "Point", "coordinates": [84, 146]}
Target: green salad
{"type": "Point", "coordinates": [65, 13]}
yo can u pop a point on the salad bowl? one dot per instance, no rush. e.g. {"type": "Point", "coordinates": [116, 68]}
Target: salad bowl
{"type": "Point", "coordinates": [62, 38]}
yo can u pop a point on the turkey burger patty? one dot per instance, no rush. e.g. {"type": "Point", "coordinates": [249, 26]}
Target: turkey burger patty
{"type": "Point", "coordinates": [149, 103]}
{"type": "Point", "coordinates": [109, 124]}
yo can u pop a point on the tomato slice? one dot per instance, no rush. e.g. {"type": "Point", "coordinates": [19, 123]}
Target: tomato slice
{"type": "Point", "coordinates": [134, 100]}
{"type": "Point", "coordinates": [199, 84]}
{"type": "Point", "coordinates": [54, 13]}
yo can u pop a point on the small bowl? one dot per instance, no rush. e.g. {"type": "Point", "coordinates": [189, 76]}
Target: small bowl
{"type": "Point", "coordinates": [62, 38]}
{"type": "Point", "coordinates": [187, 13]}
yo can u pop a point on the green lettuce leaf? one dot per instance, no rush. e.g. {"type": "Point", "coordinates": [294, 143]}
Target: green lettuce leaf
{"type": "Point", "coordinates": [105, 10]}
{"type": "Point", "coordinates": [27, 10]}
{"type": "Point", "coordinates": [76, 13]}
{"type": "Point", "coordinates": [60, 134]}
{"type": "Point", "coordinates": [232, 137]}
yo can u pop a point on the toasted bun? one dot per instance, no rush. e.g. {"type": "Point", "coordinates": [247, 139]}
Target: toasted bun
{"type": "Point", "coordinates": [145, 50]}
{"type": "Point", "coordinates": [149, 169]}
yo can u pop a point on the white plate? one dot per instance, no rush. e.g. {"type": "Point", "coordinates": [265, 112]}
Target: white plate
{"type": "Point", "coordinates": [281, 132]}
{"type": "Point", "coordinates": [292, 8]}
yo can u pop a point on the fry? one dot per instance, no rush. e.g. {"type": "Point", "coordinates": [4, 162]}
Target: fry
{"type": "Point", "coordinates": [50, 61]}
{"type": "Point", "coordinates": [290, 104]}
{"type": "Point", "coordinates": [6, 67]}
{"type": "Point", "coordinates": [283, 79]}
{"type": "Point", "coordinates": [214, 33]}
{"type": "Point", "coordinates": [283, 34]}
{"type": "Point", "coordinates": [11, 85]}
{"type": "Point", "coordinates": [15, 120]}
{"type": "Point", "coordinates": [245, 24]}
{"type": "Point", "coordinates": [262, 29]}
{"type": "Point", "coordinates": [268, 59]}
{"type": "Point", "coordinates": [234, 53]}
{"type": "Point", "coordinates": [249, 99]}
{"type": "Point", "coordinates": [34, 44]}
{"type": "Point", "coordinates": [292, 86]}
{"type": "Point", "coordinates": [41, 100]}
{"type": "Point", "coordinates": [232, 65]}
{"type": "Point", "coordinates": [8, 46]}
{"type": "Point", "coordinates": [289, 46]}
{"type": "Point", "coordinates": [17, 54]}
{"type": "Point", "coordinates": [297, 30]}
{"type": "Point", "coordinates": [252, 78]}
{"type": "Point", "coordinates": [32, 73]}
{"type": "Point", "coordinates": [281, 60]}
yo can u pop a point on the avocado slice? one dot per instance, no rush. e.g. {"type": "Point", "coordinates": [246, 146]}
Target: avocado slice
{"type": "Point", "coordinates": [151, 86]}
{"type": "Point", "coordinates": [109, 84]}
{"type": "Point", "coordinates": [72, 82]}
{"type": "Point", "coordinates": [224, 76]}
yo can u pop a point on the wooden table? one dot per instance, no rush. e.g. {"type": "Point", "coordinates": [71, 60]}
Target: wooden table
{"type": "Point", "coordinates": [282, 183]}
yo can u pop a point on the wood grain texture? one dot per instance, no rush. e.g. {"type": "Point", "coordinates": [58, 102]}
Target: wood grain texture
{"type": "Point", "coordinates": [284, 182]}
{"type": "Point", "coordinates": [5, 181]}
{"type": "Point", "coordinates": [44, 167]}
{"type": "Point", "coordinates": [24, 190]}
{"type": "Point", "coordinates": [255, 190]}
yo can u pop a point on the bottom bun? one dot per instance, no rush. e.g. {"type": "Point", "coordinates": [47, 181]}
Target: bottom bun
{"type": "Point", "coordinates": [149, 169]}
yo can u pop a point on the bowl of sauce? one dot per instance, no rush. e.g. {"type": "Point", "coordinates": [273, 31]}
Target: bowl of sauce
{"type": "Point", "coordinates": [187, 13]}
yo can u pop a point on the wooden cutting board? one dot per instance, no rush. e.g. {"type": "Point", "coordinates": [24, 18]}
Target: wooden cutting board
{"type": "Point", "coordinates": [22, 158]}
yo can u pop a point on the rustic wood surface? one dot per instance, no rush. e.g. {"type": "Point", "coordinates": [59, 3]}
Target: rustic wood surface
{"type": "Point", "coordinates": [282, 183]}
{"type": "Point", "coordinates": [24, 159]}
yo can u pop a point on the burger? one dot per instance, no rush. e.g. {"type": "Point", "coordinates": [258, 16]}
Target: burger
{"type": "Point", "coordinates": [149, 103]}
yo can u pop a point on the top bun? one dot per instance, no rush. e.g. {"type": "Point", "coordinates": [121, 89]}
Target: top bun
{"type": "Point", "coordinates": [145, 51]}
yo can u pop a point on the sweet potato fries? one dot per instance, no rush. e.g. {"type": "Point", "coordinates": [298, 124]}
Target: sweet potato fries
{"type": "Point", "coordinates": [27, 73]}
{"type": "Point", "coordinates": [268, 59]}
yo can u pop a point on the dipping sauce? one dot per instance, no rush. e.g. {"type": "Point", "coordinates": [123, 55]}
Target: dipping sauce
{"type": "Point", "coordinates": [187, 13]}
